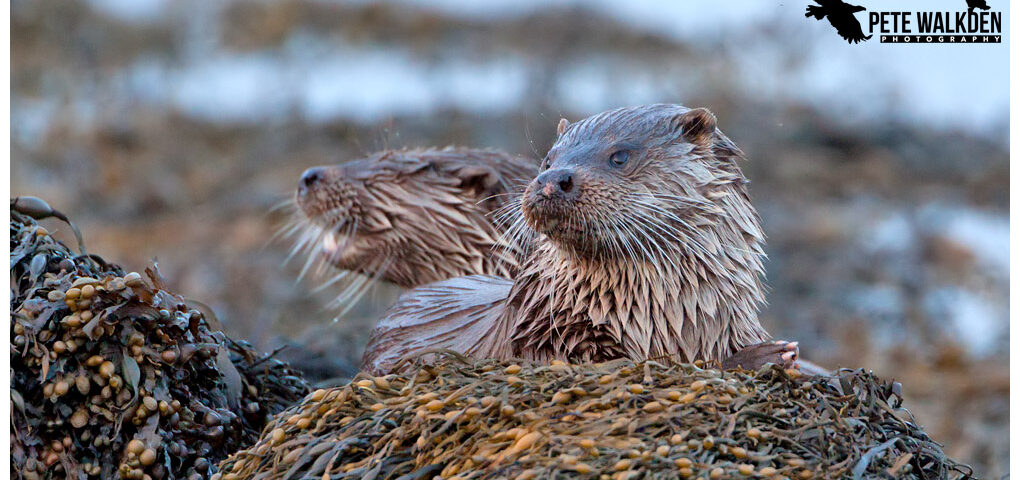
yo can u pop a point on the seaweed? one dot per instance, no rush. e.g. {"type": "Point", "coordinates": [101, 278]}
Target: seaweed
{"type": "Point", "coordinates": [461, 418]}
{"type": "Point", "coordinates": [114, 375]}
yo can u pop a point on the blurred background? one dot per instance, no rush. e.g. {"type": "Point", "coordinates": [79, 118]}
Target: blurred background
{"type": "Point", "coordinates": [168, 129]}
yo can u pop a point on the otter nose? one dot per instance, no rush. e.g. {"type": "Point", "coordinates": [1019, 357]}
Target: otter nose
{"type": "Point", "coordinates": [311, 177]}
{"type": "Point", "coordinates": [552, 182]}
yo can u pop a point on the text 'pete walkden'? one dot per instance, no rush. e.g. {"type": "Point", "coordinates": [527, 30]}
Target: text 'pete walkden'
{"type": "Point", "coordinates": [937, 27]}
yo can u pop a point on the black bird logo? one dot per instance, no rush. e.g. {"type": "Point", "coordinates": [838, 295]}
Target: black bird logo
{"type": "Point", "coordinates": [841, 16]}
{"type": "Point", "coordinates": [972, 4]}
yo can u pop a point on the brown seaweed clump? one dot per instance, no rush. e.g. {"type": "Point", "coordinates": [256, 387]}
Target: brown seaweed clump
{"type": "Point", "coordinates": [462, 419]}
{"type": "Point", "coordinates": [114, 376]}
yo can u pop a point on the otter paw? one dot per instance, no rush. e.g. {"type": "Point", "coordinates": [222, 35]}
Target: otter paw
{"type": "Point", "coordinates": [752, 357]}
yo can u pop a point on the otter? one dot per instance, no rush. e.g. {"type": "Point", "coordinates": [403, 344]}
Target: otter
{"type": "Point", "coordinates": [645, 244]}
{"type": "Point", "coordinates": [412, 217]}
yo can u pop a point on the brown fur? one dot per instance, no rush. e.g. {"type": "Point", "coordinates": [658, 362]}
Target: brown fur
{"type": "Point", "coordinates": [413, 217]}
{"type": "Point", "coordinates": [661, 255]}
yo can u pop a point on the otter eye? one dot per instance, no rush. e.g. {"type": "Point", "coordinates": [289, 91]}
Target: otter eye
{"type": "Point", "coordinates": [620, 157]}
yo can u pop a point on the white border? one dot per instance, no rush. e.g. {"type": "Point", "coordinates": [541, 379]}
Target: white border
{"type": "Point", "coordinates": [5, 367]}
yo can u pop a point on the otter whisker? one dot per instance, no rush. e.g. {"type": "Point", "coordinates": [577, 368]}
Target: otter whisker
{"type": "Point", "coordinates": [294, 224]}
{"type": "Point", "coordinates": [681, 239]}
{"type": "Point", "coordinates": [522, 235]}
{"type": "Point", "coordinates": [659, 209]}
{"type": "Point", "coordinates": [512, 240]}
{"type": "Point", "coordinates": [286, 231]}
{"type": "Point", "coordinates": [333, 280]}
{"type": "Point", "coordinates": [508, 252]}
{"type": "Point", "coordinates": [515, 227]}
{"type": "Point", "coordinates": [350, 291]}
{"type": "Point", "coordinates": [289, 229]}
{"type": "Point", "coordinates": [311, 243]}
{"type": "Point", "coordinates": [311, 257]}
{"type": "Point", "coordinates": [654, 260]}
{"type": "Point", "coordinates": [497, 195]}
{"type": "Point", "coordinates": [305, 241]}
{"type": "Point", "coordinates": [676, 233]}
{"type": "Point", "coordinates": [664, 256]}
{"type": "Point", "coordinates": [511, 208]}
{"type": "Point", "coordinates": [682, 235]}
{"type": "Point", "coordinates": [687, 200]}
{"type": "Point", "coordinates": [287, 203]}
{"type": "Point", "coordinates": [619, 241]}
{"type": "Point", "coordinates": [628, 227]}
{"type": "Point", "coordinates": [351, 229]}
{"type": "Point", "coordinates": [370, 280]}
{"type": "Point", "coordinates": [688, 203]}
{"type": "Point", "coordinates": [514, 235]}
{"type": "Point", "coordinates": [656, 224]}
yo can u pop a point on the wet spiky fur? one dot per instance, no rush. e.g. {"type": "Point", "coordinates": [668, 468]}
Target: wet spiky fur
{"type": "Point", "coordinates": [411, 217]}
{"type": "Point", "coordinates": [671, 259]}
{"type": "Point", "coordinates": [660, 256]}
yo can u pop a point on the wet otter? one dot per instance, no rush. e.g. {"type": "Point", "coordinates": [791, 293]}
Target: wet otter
{"type": "Point", "coordinates": [647, 245]}
{"type": "Point", "coordinates": [411, 217]}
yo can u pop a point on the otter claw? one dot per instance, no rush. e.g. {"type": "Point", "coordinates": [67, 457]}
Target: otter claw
{"type": "Point", "coordinates": [752, 357]}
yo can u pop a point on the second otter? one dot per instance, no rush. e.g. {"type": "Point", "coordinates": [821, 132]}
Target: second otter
{"type": "Point", "coordinates": [648, 245]}
{"type": "Point", "coordinates": [412, 217]}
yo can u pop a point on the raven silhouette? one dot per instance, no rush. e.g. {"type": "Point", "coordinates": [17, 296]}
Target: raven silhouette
{"type": "Point", "coordinates": [972, 4]}
{"type": "Point", "coordinates": [841, 16]}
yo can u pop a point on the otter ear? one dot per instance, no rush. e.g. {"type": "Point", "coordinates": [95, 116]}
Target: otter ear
{"type": "Point", "coordinates": [482, 180]}
{"type": "Point", "coordinates": [697, 126]}
{"type": "Point", "coordinates": [562, 127]}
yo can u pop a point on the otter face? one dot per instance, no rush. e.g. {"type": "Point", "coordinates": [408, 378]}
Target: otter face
{"type": "Point", "coordinates": [393, 214]}
{"type": "Point", "coordinates": [348, 216]}
{"type": "Point", "coordinates": [631, 182]}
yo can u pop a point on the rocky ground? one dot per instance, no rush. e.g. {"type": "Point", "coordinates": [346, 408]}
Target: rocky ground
{"type": "Point", "coordinates": [171, 135]}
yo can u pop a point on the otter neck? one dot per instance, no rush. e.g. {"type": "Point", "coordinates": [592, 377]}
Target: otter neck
{"type": "Point", "coordinates": [469, 247]}
{"type": "Point", "coordinates": [702, 304]}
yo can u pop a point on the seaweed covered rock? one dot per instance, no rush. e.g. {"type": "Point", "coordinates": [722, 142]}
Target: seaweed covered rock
{"type": "Point", "coordinates": [463, 419]}
{"type": "Point", "coordinates": [114, 376]}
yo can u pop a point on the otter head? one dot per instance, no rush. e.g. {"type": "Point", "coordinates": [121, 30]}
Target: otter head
{"type": "Point", "coordinates": [409, 217]}
{"type": "Point", "coordinates": [635, 182]}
